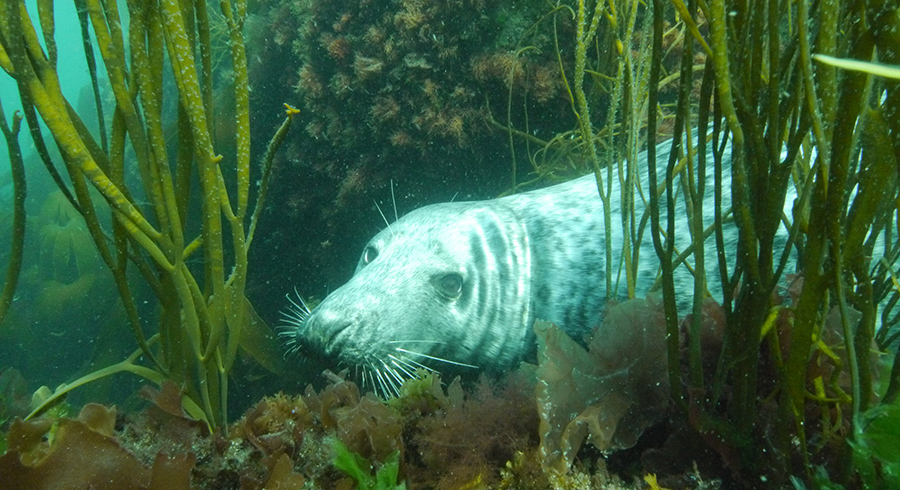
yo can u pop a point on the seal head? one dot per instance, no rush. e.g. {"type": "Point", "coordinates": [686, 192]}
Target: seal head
{"type": "Point", "coordinates": [442, 285]}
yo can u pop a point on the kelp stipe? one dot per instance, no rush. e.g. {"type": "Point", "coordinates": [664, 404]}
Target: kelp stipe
{"type": "Point", "coordinates": [758, 82]}
{"type": "Point", "coordinates": [203, 314]}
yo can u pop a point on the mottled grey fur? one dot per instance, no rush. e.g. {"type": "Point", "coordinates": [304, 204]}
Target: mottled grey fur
{"type": "Point", "coordinates": [539, 254]}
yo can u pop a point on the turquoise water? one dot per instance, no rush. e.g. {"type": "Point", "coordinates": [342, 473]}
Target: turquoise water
{"type": "Point", "coordinates": [438, 100]}
{"type": "Point", "coordinates": [72, 66]}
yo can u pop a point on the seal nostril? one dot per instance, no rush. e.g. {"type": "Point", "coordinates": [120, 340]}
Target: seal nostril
{"type": "Point", "coordinates": [328, 332]}
{"type": "Point", "coordinates": [333, 333]}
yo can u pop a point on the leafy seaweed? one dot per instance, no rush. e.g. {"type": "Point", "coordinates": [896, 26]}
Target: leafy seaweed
{"type": "Point", "coordinates": [875, 447]}
{"type": "Point", "coordinates": [874, 452]}
{"type": "Point", "coordinates": [358, 468]}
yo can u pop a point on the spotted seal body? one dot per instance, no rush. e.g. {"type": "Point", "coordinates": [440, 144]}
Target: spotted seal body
{"type": "Point", "coordinates": [463, 282]}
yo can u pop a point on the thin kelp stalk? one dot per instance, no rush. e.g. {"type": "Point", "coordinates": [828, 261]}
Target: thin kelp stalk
{"type": "Point", "coordinates": [201, 324]}
{"type": "Point", "coordinates": [882, 175]}
{"type": "Point", "coordinates": [585, 31]}
{"type": "Point", "coordinates": [511, 76]}
{"type": "Point", "coordinates": [203, 40]}
{"type": "Point", "coordinates": [781, 111]}
{"type": "Point", "coordinates": [721, 65]}
{"type": "Point", "coordinates": [629, 91]}
{"type": "Point", "coordinates": [40, 146]}
{"type": "Point", "coordinates": [864, 210]}
{"type": "Point", "coordinates": [626, 105]}
{"type": "Point", "coordinates": [81, 9]}
{"type": "Point", "coordinates": [511, 132]}
{"type": "Point", "coordinates": [17, 170]}
{"type": "Point", "coordinates": [663, 250]}
{"type": "Point", "coordinates": [847, 237]}
{"type": "Point", "coordinates": [696, 184]}
{"type": "Point", "coordinates": [267, 169]}
{"type": "Point", "coordinates": [884, 16]}
{"type": "Point", "coordinates": [703, 116]}
{"type": "Point", "coordinates": [816, 278]}
{"type": "Point", "coordinates": [742, 338]}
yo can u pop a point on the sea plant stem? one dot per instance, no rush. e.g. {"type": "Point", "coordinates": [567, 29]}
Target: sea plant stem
{"type": "Point", "coordinates": [583, 39]}
{"type": "Point", "coordinates": [697, 187]}
{"type": "Point", "coordinates": [268, 158]}
{"type": "Point", "coordinates": [17, 169]}
{"type": "Point", "coordinates": [81, 10]}
{"type": "Point", "coordinates": [201, 323]}
{"type": "Point", "coordinates": [816, 278]}
{"type": "Point", "coordinates": [662, 251]}
{"type": "Point", "coordinates": [234, 18]}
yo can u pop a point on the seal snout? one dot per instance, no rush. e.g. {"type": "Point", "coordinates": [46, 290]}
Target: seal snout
{"type": "Point", "coordinates": [335, 338]}
{"type": "Point", "coordinates": [324, 329]}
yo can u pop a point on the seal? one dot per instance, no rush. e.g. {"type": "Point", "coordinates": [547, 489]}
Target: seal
{"type": "Point", "coordinates": [460, 284]}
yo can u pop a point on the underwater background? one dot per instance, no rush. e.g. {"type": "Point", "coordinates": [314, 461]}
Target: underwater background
{"type": "Point", "coordinates": [65, 308]}
{"type": "Point", "coordinates": [141, 330]}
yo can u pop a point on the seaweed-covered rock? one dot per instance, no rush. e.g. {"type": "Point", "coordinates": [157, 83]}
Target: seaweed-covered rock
{"type": "Point", "coordinates": [403, 91]}
{"type": "Point", "coordinates": [84, 453]}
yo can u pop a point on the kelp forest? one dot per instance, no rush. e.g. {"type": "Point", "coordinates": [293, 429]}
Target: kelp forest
{"type": "Point", "coordinates": [127, 216]}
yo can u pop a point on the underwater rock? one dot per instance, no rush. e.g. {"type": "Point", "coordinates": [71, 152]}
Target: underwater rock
{"type": "Point", "coordinates": [84, 454]}
{"type": "Point", "coordinates": [402, 91]}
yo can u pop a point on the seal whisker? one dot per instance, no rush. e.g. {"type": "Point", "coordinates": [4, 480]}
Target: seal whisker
{"type": "Point", "coordinates": [293, 319]}
{"type": "Point", "coordinates": [399, 374]}
{"type": "Point", "coordinates": [302, 307]}
{"type": "Point", "coordinates": [399, 382]}
{"type": "Point", "coordinates": [423, 341]}
{"type": "Point", "coordinates": [376, 376]}
{"type": "Point", "coordinates": [371, 380]}
{"type": "Point", "coordinates": [386, 386]}
{"type": "Point", "coordinates": [439, 359]}
{"type": "Point", "coordinates": [379, 386]}
{"type": "Point", "coordinates": [292, 348]}
{"type": "Point", "coordinates": [292, 344]}
{"type": "Point", "coordinates": [414, 369]}
{"type": "Point", "coordinates": [290, 323]}
{"type": "Point", "coordinates": [392, 372]}
{"type": "Point", "coordinates": [394, 201]}
{"type": "Point", "coordinates": [383, 216]}
{"type": "Point", "coordinates": [393, 380]}
{"type": "Point", "coordinates": [418, 365]}
{"type": "Point", "coordinates": [403, 366]}
{"type": "Point", "coordinates": [409, 374]}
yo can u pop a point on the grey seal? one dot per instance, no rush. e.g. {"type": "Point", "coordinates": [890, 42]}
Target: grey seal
{"type": "Point", "coordinates": [460, 284]}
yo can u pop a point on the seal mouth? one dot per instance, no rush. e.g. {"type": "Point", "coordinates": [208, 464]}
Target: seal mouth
{"type": "Point", "coordinates": [332, 336]}
{"type": "Point", "coordinates": [386, 372]}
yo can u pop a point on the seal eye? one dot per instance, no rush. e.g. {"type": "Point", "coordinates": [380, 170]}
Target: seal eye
{"type": "Point", "coordinates": [369, 254]}
{"type": "Point", "coordinates": [450, 285]}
